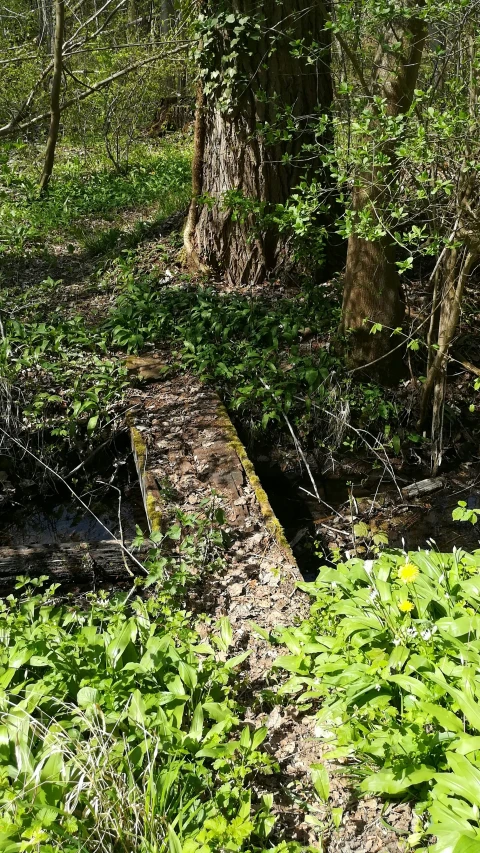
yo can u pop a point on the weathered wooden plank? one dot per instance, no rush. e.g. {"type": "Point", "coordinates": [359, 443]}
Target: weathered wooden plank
{"type": "Point", "coordinates": [423, 487]}
{"type": "Point", "coordinates": [182, 435]}
{"type": "Point", "coordinates": [66, 562]}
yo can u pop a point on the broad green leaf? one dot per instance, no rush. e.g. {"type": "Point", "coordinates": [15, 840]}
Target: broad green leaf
{"type": "Point", "coordinates": [196, 729]}
{"type": "Point", "coordinates": [137, 710]}
{"type": "Point", "coordinates": [454, 842]}
{"type": "Point", "coordinates": [466, 703]}
{"type": "Point", "coordinates": [231, 663]}
{"type": "Point", "coordinates": [19, 656]}
{"type": "Point", "coordinates": [447, 719]}
{"type": "Point", "coordinates": [92, 423]}
{"type": "Point", "coordinates": [259, 736]}
{"type": "Point", "coordinates": [390, 782]}
{"type": "Point", "coordinates": [87, 696]}
{"type": "Point", "coordinates": [443, 817]}
{"type": "Point", "coordinates": [174, 843]}
{"type": "Point", "coordinates": [245, 739]}
{"type": "Point", "coordinates": [465, 744]}
{"type": "Point", "coordinates": [217, 711]}
{"type": "Point", "coordinates": [226, 631]}
{"type": "Point", "coordinates": [260, 631]}
{"type": "Point", "coordinates": [225, 750]}
{"type": "Point", "coordinates": [118, 645]}
{"type": "Point", "coordinates": [398, 657]}
{"type": "Point", "coordinates": [459, 627]}
{"type": "Point", "coordinates": [320, 781]}
{"type": "Point", "coordinates": [465, 779]}
{"type": "Point", "coordinates": [299, 664]}
{"type": "Point", "coordinates": [411, 685]}
{"type": "Point", "coordinates": [52, 769]}
{"type": "Point", "coordinates": [188, 675]}
{"type": "Point", "coordinates": [337, 817]}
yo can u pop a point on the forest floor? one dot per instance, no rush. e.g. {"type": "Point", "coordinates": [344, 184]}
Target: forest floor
{"type": "Point", "coordinates": [99, 271]}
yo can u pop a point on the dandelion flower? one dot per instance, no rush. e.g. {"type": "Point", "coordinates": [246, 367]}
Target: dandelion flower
{"type": "Point", "coordinates": [405, 606]}
{"type": "Point", "coordinates": [408, 573]}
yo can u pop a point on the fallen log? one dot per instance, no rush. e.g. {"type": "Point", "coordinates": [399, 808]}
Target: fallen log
{"type": "Point", "coordinates": [68, 563]}
{"type": "Point", "coordinates": [423, 487]}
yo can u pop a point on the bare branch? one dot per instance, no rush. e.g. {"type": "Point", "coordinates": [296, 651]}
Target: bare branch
{"type": "Point", "coordinates": [14, 125]}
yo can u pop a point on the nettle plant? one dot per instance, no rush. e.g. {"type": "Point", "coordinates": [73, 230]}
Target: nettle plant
{"type": "Point", "coordinates": [389, 661]}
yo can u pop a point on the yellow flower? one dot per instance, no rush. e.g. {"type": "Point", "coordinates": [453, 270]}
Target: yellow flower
{"type": "Point", "coordinates": [405, 606]}
{"type": "Point", "coordinates": [408, 573]}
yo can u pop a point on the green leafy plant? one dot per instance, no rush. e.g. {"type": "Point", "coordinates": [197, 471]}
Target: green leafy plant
{"type": "Point", "coordinates": [251, 349]}
{"type": "Point", "coordinates": [159, 176]}
{"type": "Point", "coordinates": [388, 659]}
{"type": "Point", "coordinates": [462, 512]}
{"type": "Point", "coordinates": [119, 725]}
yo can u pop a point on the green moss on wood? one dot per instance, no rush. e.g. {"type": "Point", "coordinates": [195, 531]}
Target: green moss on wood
{"type": "Point", "coordinates": [153, 512]}
{"type": "Point", "coordinates": [271, 521]}
{"type": "Point", "coordinates": [151, 497]}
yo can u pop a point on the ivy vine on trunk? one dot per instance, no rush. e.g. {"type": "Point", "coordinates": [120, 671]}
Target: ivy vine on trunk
{"type": "Point", "coordinates": [260, 95]}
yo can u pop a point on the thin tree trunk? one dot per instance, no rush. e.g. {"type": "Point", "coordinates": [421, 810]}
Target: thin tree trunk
{"type": "Point", "coordinates": [372, 291]}
{"type": "Point", "coordinates": [45, 23]}
{"type": "Point", "coordinates": [192, 257]}
{"type": "Point", "coordinates": [55, 96]}
{"type": "Point", "coordinates": [458, 267]}
{"type": "Point", "coordinates": [131, 20]}
{"type": "Point", "coordinates": [238, 157]}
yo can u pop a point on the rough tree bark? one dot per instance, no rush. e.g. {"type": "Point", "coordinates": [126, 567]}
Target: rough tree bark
{"type": "Point", "coordinates": [54, 96]}
{"type": "Point", "coordinates": [372, 289]}
{"type": "Point", "coordinates": [236, 154]}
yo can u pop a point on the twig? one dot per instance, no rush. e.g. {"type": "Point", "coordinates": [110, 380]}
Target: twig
{"type": "Point", "coordinates": [120, 527]}
{"type": "Point", "coordinates": [385, 461]}
{"type": "Point", "coordinates": [336, 530]}
{"type": "Point", "coordinates": [300, 452]}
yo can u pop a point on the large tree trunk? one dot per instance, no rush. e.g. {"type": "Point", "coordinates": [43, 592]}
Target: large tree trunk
{"type": "Point", "coordinates": [54, 96]}
{"type": "Point", "coordinates": [372, 291]}
{"type": "Point", "coordinates": [236, 153]}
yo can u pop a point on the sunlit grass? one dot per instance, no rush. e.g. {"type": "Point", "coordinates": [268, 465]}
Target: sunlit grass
{"type": "Point", "coordinates": [87, 195]}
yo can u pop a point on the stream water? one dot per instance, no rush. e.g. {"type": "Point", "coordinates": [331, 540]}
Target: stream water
{"type": "Point", "coordinates": [113, 496]}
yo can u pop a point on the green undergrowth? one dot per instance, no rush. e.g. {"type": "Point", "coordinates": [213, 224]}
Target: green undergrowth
{"type": "Point", "coordinates": [262, 353]}
{"type": "Point", "coordinates": [58, 374]}
{"type": "Point", "coordinates": [61, 376]}
{"type": "Point", "coordinates": [120, 723]}
{"type": "Point", "coordinates": [268, 357]}
{"type": "Point", "coordinates": [86, 188]}
{"type": "Point", "coordinates": [388, 660]}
